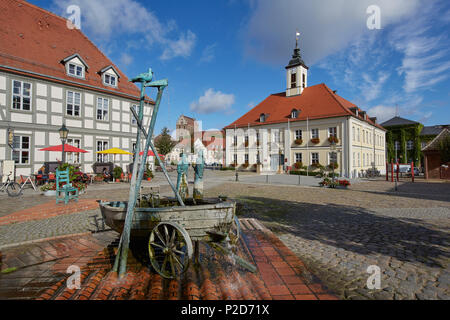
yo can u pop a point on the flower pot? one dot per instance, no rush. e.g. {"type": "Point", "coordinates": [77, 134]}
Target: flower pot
{"type": "Point", "coordinates": [117, 180]}
{"type": "Point", "coordinates": [149, 179]}
{"type": "Point", "coordinates": [50, 193]}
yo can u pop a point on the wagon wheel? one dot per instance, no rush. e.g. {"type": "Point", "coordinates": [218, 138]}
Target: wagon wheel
{"type": "Point", "coordinates": [170, 249]}
{"type": "Point", "coordinates": [235, 232]}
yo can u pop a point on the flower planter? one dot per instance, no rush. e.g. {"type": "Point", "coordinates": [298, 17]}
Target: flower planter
{"type": "Point", "coordinates": [117, 180]}
{"type": "Point", "coordinates": [50, 193]}
{"type": "Point", "coordinates": [149, 179]}
{"type": "Point", "coordinates": [315, 140]}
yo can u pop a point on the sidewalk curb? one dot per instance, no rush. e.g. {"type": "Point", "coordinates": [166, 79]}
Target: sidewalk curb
{"type": "Point", "coordinates": [7, 246]}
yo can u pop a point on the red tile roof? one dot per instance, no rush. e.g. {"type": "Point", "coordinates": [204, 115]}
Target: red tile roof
{"type": "Point", "coordinates": [35, 41]}
{"type": "Point", "coordinates": [316, 102]}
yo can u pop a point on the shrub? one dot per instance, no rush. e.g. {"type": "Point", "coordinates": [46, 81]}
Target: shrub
{"type": "Point", "coordinates": [333, 165]}
{"type": "Point", "coordinates": [117, 172]}
{"type": "Point", "coordinates": [298, 165]}
{"type": "Point", "coordinates": [303, 173]}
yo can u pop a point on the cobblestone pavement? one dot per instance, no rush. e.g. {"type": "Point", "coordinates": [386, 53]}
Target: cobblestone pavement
{"type": "Point", "coordinates": [46, 228]}
{"type": "Point", "coordinates": [339, 233]}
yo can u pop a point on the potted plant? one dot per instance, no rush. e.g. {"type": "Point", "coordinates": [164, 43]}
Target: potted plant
{"type": "Point", "coordinates": [333, 139]}
{"type": "Point", "coordinates": [298, 141]}
{"type": "Point", "coordinates": [80, 186]}
{"type": "Point", "coordinates": [49, 189]}
{"type": "Point", "coordinates": [325, 182]}
{"type": "Point", "coordinates": [315, 140]}
{"type": "Point", "coordinates": [245, 165]}
{"type": "Point", "coordinates": [98, 177]}
{"type": "Point", "coordinates": [117, 173]}
{"type": "Point", "coordinates": [149, 173]}
{"type": "Point", "coordinates": [344, 184]}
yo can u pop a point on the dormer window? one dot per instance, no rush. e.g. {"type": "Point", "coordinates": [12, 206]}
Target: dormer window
{"type": "Point", "coordinates": [294, 114]}
{"type": "Point", "coordinates": [110, 76]}
{"type": "Point", "coordinates": [262, 118]}
{"type": "Point", "coordinates": [75, 66]}
{"type": "Point", "coordinates": [110, 80]}
{"type": "Point", "coordinates": [75, 70]}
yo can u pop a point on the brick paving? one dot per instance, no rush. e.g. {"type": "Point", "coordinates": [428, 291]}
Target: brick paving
{"type": "Point", "coordinates": [41, 271]}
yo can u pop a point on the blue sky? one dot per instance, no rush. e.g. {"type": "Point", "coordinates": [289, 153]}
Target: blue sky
{"type": "Point", "coordinates": [223, 57]}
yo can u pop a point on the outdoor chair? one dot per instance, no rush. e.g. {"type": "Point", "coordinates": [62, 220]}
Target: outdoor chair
{"type": "Point", "coordinates": [62, 177]}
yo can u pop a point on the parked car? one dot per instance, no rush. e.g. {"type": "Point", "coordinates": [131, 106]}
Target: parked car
{"type": "Point", "coordinates": [416, 171]}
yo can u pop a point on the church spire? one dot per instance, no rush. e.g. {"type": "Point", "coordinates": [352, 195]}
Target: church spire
{"type": "Point", "coordinates": [296, 57]}
{"type": "Point", "coordinates": [296, 72]}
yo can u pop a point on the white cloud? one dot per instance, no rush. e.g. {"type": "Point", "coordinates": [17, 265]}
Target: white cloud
{"type": "Point", "coordinates": [180, 48]}
{"type": "Point", "coordinates": [126, 59]}
{"type": "Point", "coordinates": [382, 113]}
{"type": "Point", "coordinates": [327, 26]}
{"type": "Point", "coordinates": [104, 19]}
{"type": "Point", "coordinates": [371, 89]}
{"type": "Point", "coordinates": [213, 101]}
{"type": "Point", "coordinates": [208, 53]}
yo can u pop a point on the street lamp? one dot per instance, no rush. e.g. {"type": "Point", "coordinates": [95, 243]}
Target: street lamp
{"type": "Point", "coordinates": [11, 138]}
{"type": "Point", "coordinates": [334, 160]}
{"type": "Point", "coordinates": [63, 134]}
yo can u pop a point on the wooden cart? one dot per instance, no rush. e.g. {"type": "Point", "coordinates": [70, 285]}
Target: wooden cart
{"type": "Point", "coordinates": [174, 232]}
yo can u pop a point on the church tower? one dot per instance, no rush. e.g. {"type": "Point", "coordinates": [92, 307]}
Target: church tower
{"type": "Point", "coordinates": [296, 73]}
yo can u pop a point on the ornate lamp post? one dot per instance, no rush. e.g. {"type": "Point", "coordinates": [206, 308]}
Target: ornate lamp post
{"type": "Point", "coordinates": [11, 138]}
{"type": "Point", "coordinates": [333, 152]}
{"type": "Point", "coordinates": [63, 134]}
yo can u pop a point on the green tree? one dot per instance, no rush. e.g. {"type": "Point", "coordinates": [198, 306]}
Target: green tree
{"type": "Point", "coordinates": [444, 149]}
{"type": "Point", "coordinates": [164, 143]}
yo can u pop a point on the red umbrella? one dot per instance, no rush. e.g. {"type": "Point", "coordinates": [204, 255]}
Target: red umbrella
{"type": "Point", "coordinates": [67, 148]}
{"type": "Point", "coordinates": [150, 154]}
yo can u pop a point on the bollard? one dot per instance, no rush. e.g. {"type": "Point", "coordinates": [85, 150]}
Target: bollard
{"type": "Point", "coordinates": [299, 179]}
{"type": "Point", "coordinates": [267, 178]}
{"type": "Point", "coordinates": [412, 171]}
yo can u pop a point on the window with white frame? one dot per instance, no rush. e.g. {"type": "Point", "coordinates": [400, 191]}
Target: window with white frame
{"type": "Point", "coordinates": [75, 70]}
{"type": "Point", "coordinates": [21, 149]}
{"type": "Point", "coordinates": [359, 160]}
{"type": "Point", "coordinates": [102, 109]}
{"type": "Point", "coordinates": [276, 136]}
{"type": "Point", "coordinates": [235, 158]}
{"type": "Point", "coordinates": [21, 97]}
{"type": "Point", "coordinates": [364, 159]}
{"type": "Point", "coordinates": [332, 132]}
{"type": "Point", "coordinates": [298, 134]}
{"type": "Point", "coordinates": [294, 114]}
{"type": "Point", "coordinates": [136, 108]}
{"type": "Point", "coordinates": [235, 139]}
{"type": "Point", "coordinates": [73, 157]}
{"type": "Point", "coordinates": [298, 157]}
{"type": "Point", "coordinates": [102, 145]}
{"type": "Point", "coordinates": [314, 133]}
{"type": "Point", "coordinates": [357, 136]}
{"type": "Point", "coordinates": [410, 145]}
{"type": "Point", "coordinates": [257, 158]}
{"type": "Point", "coordinates": [353, 133]}
{"type": "Point", "coordinates": [246, 157]}
{"type": "Point", "coordinates": [110, 80]}
{"type": "Point", "coordinates": [73, 103]}
{"type": "Point", "coordinates": [315, 158]}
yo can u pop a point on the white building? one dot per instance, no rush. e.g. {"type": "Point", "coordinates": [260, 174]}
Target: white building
{"type": "Point", "coordinates": [298, 125]}
{"type": "Point", "coordinates": [50, 75]}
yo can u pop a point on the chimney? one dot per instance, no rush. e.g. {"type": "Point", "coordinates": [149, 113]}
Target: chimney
{"type": "Point", "coordinates": [373, 119]}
